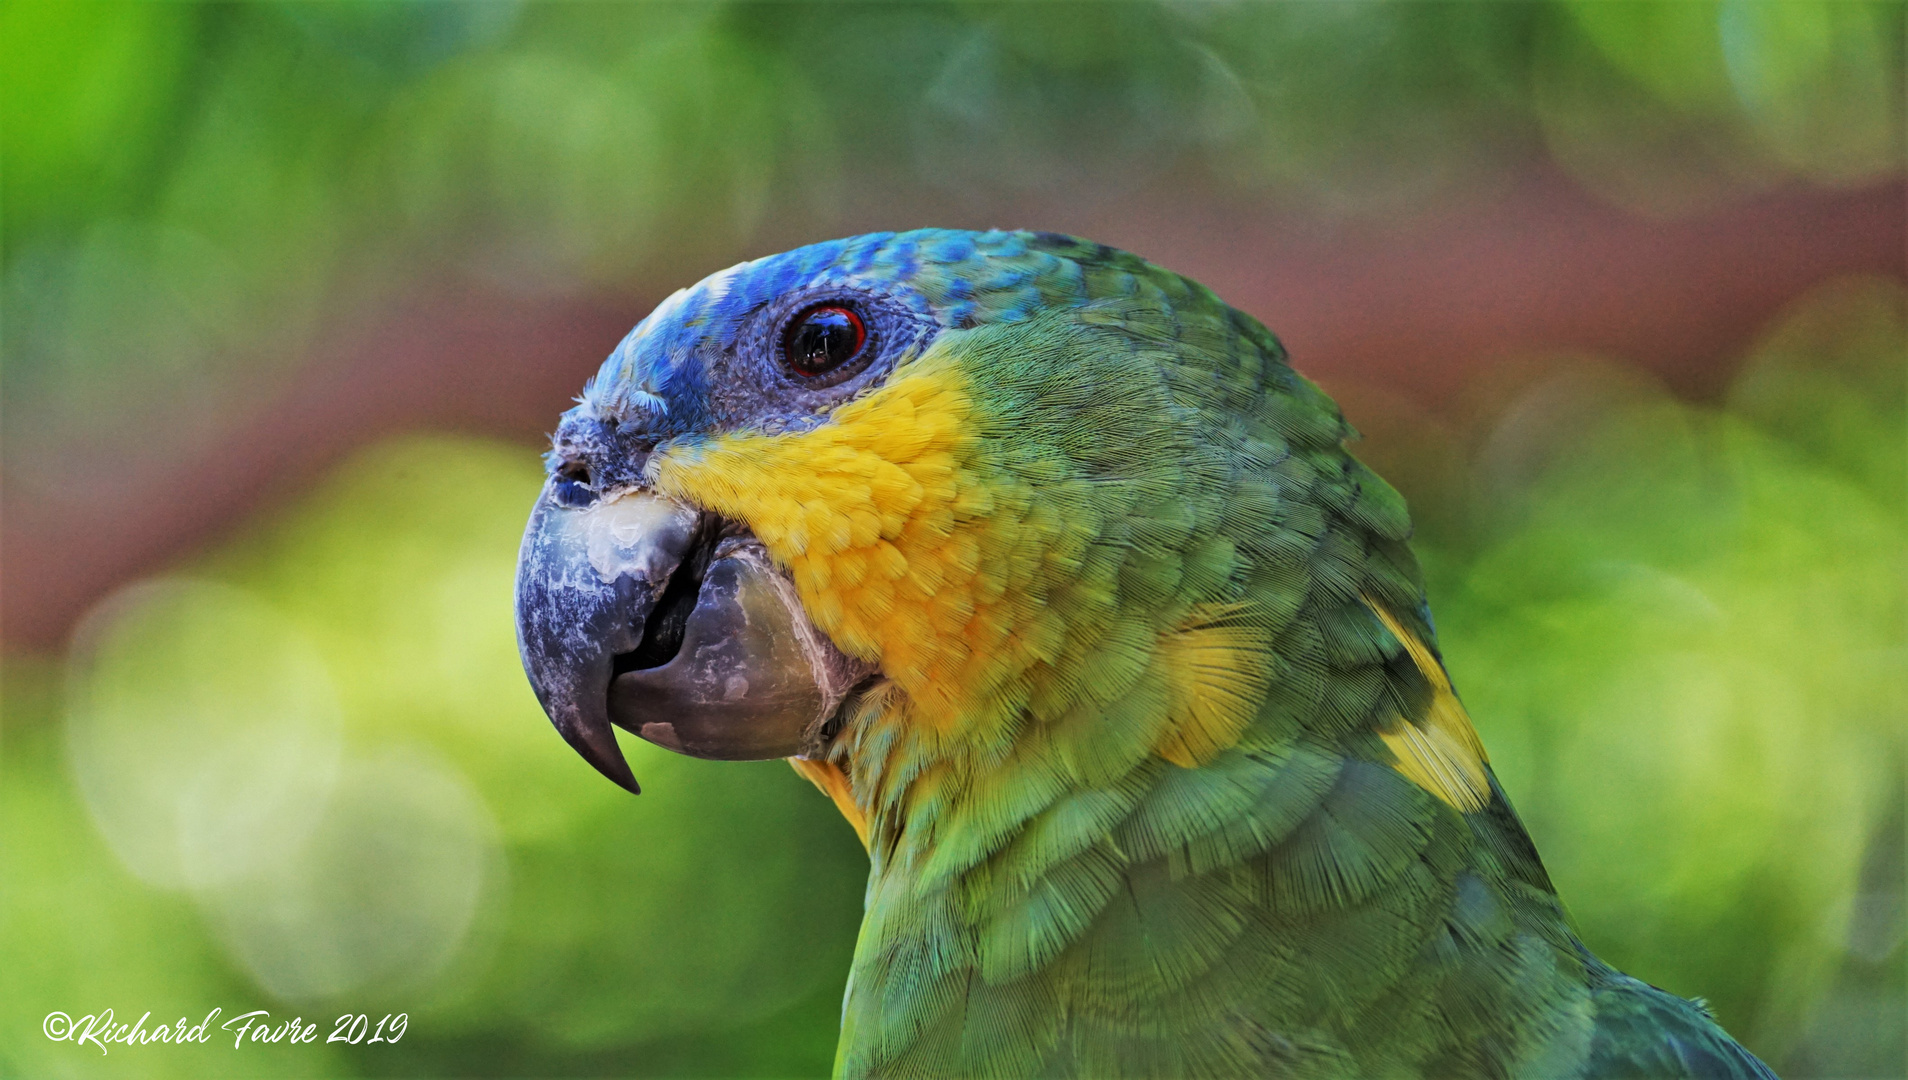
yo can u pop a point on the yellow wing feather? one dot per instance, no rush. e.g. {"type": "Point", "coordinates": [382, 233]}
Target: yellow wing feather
{"type": "Point", "coordinates": [1442, 754]}
{"type": "Point", "coordinates": [1217, 673]}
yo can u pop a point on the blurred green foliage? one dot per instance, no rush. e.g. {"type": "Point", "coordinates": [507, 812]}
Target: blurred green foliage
{"type": "Point", "coordinates": [303, 772]}
{"type": "Point", "coordinates": [1683, 641]}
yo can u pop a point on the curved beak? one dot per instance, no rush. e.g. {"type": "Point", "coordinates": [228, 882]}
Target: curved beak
{"type": "Point", "coordinates": [672, 624]}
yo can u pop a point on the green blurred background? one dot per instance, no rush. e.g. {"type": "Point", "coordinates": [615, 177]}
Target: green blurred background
{"type": "Point", "coordinates": [291, 291]}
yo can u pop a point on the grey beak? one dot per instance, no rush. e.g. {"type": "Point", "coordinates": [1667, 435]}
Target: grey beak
{"type": "Point", "coordinates": [644, 613]}
{"type": "Point", "coordinates": [588, 581]}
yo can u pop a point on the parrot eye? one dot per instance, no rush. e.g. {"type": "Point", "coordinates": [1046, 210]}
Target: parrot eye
{"type": "Point", "coordinates": [572, 488]}
{"type": "Point", "coordinates": [823, 339]}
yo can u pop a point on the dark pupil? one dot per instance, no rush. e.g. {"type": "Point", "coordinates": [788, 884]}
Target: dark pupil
{"type": "Point", "coordinates": [824, 341]}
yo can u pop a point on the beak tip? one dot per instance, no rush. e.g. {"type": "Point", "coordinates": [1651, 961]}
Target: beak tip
{"type": "Point", "coordinates": [625, 779]}
{"type": "Point", "coordinates": [598, 747]}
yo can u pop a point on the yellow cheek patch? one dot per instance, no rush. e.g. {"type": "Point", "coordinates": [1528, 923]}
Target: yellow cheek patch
{"type": "Point", "coordinates": [906, 547]}
{"type": "Point", "coordinates": [1217, 674]}
{"type": "Point", "coordinates": [1442, 754]}
{"type": "Point", "coordinates": [833, 783]}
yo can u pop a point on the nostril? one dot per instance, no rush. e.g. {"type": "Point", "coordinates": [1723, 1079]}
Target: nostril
{"type": "Point", "coordinates": [574, 486]}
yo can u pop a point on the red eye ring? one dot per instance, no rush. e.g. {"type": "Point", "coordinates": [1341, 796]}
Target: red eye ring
{"type": "Point", "coordinates": [822, 339]}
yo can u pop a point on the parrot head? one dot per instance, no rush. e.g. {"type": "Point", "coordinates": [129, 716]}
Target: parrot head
{"type": "Point", "coordinates": [642, 606]}
{"type": "Point", "coordinates": [970, 481]}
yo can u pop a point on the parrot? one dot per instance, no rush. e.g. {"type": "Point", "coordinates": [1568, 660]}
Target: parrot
{"type": "Point", "coordinates": [1044, 564]}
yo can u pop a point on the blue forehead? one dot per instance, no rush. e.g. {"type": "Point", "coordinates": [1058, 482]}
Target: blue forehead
{"type": "Point", "coordinates": [949, 277]}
